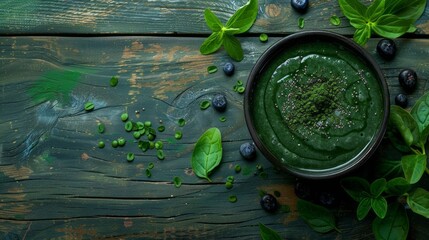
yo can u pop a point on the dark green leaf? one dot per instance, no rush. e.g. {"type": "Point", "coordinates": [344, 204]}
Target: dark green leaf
{"type": "Point", "coordinates": [419, 202]}
{"type": "Point", "coordinates": [212, 21]}
{"type": "Point", "coordinates": [387, 168]}
{"type": "Point", "coordinates": [391, 26]}
{"type": "Point", "coordinates": [114, 81]}
{"type": "Point", "coordinates": [420, 113]}
{"type": "Point", "coordinates": [379, 205]}
{"type": "Point", "coordinates": [375, 10]}
{"type": "Point", "coordinates": [397, 186]}
{"type": "Point", "coordinates": [355, 186]}
{"type": "Point", "coordinates": [405, 123]}
{"type": "Point", "coordinates": [268, 233]}
{"type": "Point", "coordinates": [233, 47]}
{"type": "Point", "coordinates": [408, 9]}
{"type": "Point", "coordinates": [177, 181]}
{"type": "Point", "coordinates": [377, 187]}
{"type": "Point", "coordinates": [363, 208]}
{"type": "Point", "coordinates": [244, 17]}
{"type": "Point", "coordinates": [317, 217]}
{"type": "Point", "coordinates": [396, 139]}
{"type": "Point", "coordinates": [212, 43]}
{"type": "Point", "coordinates": [414, 167]}
{"type": "Point", "coordinates": [394, 226]}
{"type": "Point", "coordinates": [362, 35]}
{"type": "Point", "coordinates": [355, 11]}
{"type": "Point", "coordinates": [336, 21]}
{"type": "Point", "coordinates": [207, 153]}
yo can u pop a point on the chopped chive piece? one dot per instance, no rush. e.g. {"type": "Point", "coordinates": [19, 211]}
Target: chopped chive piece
{"type": "Point", "coordinates": [230, 179]}
{"type": "Point", "coordinates": [114, 81]}
{"type": "Point", "coordinates": [237, 168]}
{"type": "Point", "coordinates": [160, 154]}
{"type": "Point", "coordinates": [205, 104]}
{"type": "Point", "coordinates": [177, 182]}
{"type": "Point", "coordinates": [130, 157]}
{"type": "Point", "coordinates": [336, 21]}
{"type": "Point", "coordinates": [235, 88]}
{"type": "Point", "coordinates": [148, 173]}
{"type": "Point", "coordinates": [101, 128]}
{"type": "Point", "coordinates": [121, 141]}
{"type": "Point", "coordinates": [89, 106]}
{"type": "Point", "coordinates": [151, 137]}
{"type": "Point", "coordinates": [178, 135]}
{"type": "Point", "coordinates": [277, 193]}
{"type": "Point", "coordinates": [222, 119]}
{"type": "Point", "coordinates": [136, 135]}
{"type": "Point", "coordinates": [151, 145]}
{"type": "Point", "coordinates": [124, 117]}
{"type": "Point", "coordinates": [115, 143]}
{"type": "Point", "coordinates": [144, 145]}
{"type": "Point", "coordinates": [232, 199]}
{"type": "Point", "coordinates": [140, 125]}
{"type": "Point", "coordinates": [158, 145]}
{"type": "Point", "coordinates": [301, 22]}
{"type": "Point", "coordinates": [211, 69]}
{"type": "Point", "coordinates": [263, 37]}
{"type": "Point", "coordinates": [101, 144]}
{"type": "Point", "coordinates": [181, 122]}
{"type": "Point", "coordinates": [259, 167]}
{"type": "Point", "coordinates": [239, 83]}
{"type": "Point", "coordinates": [151, 165]}
{"type": "Point", "coordinates": [161, 128]}
{"type": "Point", "coordinates": [128, 126]}
{"type": "Point", "coordinates": [241, 89]}
{"type": "Point", "coordinates": [148, 124]}
{"type": "Point", "coordinates": [228, 185]}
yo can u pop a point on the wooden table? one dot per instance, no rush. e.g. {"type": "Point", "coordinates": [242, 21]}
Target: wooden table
{"type": "Point", "coordinates": [55, 183]}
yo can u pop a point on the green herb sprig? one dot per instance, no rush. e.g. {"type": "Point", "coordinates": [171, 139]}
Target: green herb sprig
{"type": "Point", "coordinates": [387, 18]}
{"type": "Point", "coordinates": [223, 35]}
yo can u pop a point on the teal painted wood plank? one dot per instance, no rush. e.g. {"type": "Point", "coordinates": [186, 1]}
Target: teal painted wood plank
{"type": "Point", "coordinates": [162, 17]}
{"type": "Point", "coordinates": [56, 184]}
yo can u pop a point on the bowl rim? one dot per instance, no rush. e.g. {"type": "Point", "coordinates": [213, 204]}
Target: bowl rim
{"type": "Point", "coordinates": [277, 48]}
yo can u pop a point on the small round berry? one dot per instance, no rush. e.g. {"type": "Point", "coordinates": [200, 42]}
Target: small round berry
{"type": "Point", "coordinates": [269, 203]}
{"type": "Point", "coordinates": [228, 68]}
{"type": "Point", "coordinates": [248, 151]}
{"type": "Point", "coordinates": [386, 48]}
{"type": "Point", "coordinates": [304, 191]}
{"type": "Point", "coordinates": [300, 5]}
{"type": "Point", "coordinates": [401, 100]}
{"type": "Point", "coordinates": [219, 102]}
{"type": "Point", "coordinates": [408, 80]}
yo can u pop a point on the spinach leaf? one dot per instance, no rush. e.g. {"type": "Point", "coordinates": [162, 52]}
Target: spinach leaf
{"type": "Point", "coordinates": [355, 187]}
{"type": "Point", "coordinates": [394, 226]}
{"type": "Point", "coordinates": [408, 9]}
{"type": "Point", "coordinates": [244, 17]}
{"type": "Point", "coordinates": [377, 187]}
{"type": "Point", "coordinates": [405, 123]}
{"type": "Point", "coordinates": [317, 217]}
{"type": "Point", "coordinates": [397, 186]}
{"type": "Point", "coordinates": [268, 233]}
{"type": "Point", "coordinates": [391, 26]}
{"type": "Point", "coordinates": [207, 153]}
{"type": "Point", "coordinates": [414, 167]}
{"type": "Point", "coordinates": [420, 112]}
{"type": "Point", "coordinates": [363, 208]}
{"type": "Point", "coordinates": [379, 206]}
{"type": "Point", "coordinates": [419, 202]}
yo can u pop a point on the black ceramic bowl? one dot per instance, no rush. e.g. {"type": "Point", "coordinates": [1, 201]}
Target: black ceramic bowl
{"type": "Point", "coordinates": [316, 104]}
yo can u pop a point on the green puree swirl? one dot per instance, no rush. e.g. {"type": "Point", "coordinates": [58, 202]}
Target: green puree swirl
{"type": "Point", "coordinates": [317, 106]}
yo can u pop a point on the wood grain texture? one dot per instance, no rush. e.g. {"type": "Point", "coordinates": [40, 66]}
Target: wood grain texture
{"type": "Point", "coordinates": [162, 16]}
{"type": "Point", "coordinates": [56, 184]}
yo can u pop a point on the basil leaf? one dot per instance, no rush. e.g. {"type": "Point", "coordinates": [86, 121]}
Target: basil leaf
{"type": "Point", "coordinates": [362, 35]}
{"type": "Point", "coordinates": [379, 205]}
{"type": "Point", "coordinates": [244, 17]}
{"type": "Point", "coordinates": [391, 26]}
{"type": "Point", "coordinates": [355, 186]}
{"type": "Point", "coordinates": [419, 202]}
{"type": "Point", "coordinates": [377, 187]}
{"type": "Point", "coordinates": [405, 123]}
{"type": "Point", "coordinates": [397, 186]}
{"type": "Point", "coordinates": [212, 43]}
{"type": "Point", "coordinates": [394, 226]}
{"type": "Point", "coordinates": [212, 21]}
{"type": "Point", "coordinates": [408, 9]}
{"type": "Point", "coordinates": [375, 10]}
{"type": "Point", "coordinates": [363, 208]}
{"type": "Point", "coordinates": [355, 11]}
{"type": "Point", "coordinates": [207, 153]}
{"type": "Point", "coordinates": [414, 167]}
{"type": "Point", "coordinates": [317, 217]}
{"type": "Point", "coordinates": [268, 233]}
{"type": "Point", "coordinates": [420, 113]}
{"type": "Point", "coordinates": [233, 47]}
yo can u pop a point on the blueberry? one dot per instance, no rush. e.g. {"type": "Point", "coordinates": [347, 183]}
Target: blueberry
{"type": "Point", "coordinates": [228, 68]}
{"type": "Point", "coordinates": [304, 190]}
{"type": "Point", "coordinates": [300, 5]}
{"type": "Point", "coordinates": [386, 48]}
{"type": "Point", "coordinates": [219, 102]}
{"type": "Point", "coordinates": [408, 80]}
{"type": "Point", "coordinates": [269, 203]}
{"type": "Point", "coordinates": [248, 151]}
{"type": "Point", "coordinates": [401, 100]}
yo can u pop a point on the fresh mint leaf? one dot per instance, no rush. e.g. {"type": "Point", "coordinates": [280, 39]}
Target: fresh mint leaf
{"type": "Point", "coordinates": [355, 187]}
{"type": "Point", "coordinates": [420, 113]}
{"type": "Point", "coordinates": [212, 21]}
{"type": "Point", "coordinates": [379, 206]}
{"type": "Point", "coordinates": [317, 217]}
{"type": "Point", "coordinates": [207, 153]}
{"type": "Point", "coordinates": [233, 47]}
{"type": "Point", "coordinates": [375, 10]}
{"type": "Point", "coordinates": [377, 187]}
{"type": "Point", "coordinates": [391, 26]}
{"type": "Point", "coordinates": [244, 17]}
{"type": "Point", "coordinates": [414, 167]}
{"type": "Point", "coordinates": [268, 233]}
{"type": "Point", "coordinates": [355, 11]}
{"type": "Point", "coordinates": [397, 186]}
{"type": "Point", "coordinates": [405, 123]}
{"type": "Point", "coordinates": [362, 35]}
{"type": "Point", "coordinates": [212, 43]}
{"type": "Point", "coordinates": [407, 9]}
{"type": "Point", "coordinates": [394, 226]}
{"type": "Point", "coordinates": [363, 208]}
{"type": "Point", "coordinates": [419, 202]}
